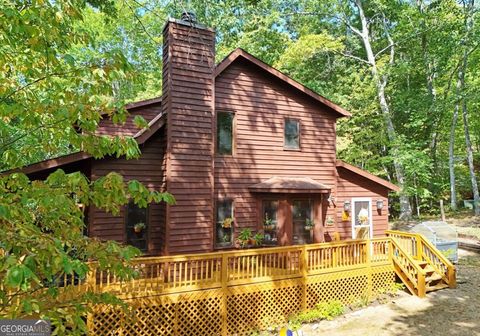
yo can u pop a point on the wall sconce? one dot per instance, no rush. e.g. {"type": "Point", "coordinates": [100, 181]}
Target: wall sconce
{"type": "Point", "coordinates": [379, 204]}
{"type": "Point", "coordinates": [346, 206]}
{"type": "Point", "coordinates": [331, 200]}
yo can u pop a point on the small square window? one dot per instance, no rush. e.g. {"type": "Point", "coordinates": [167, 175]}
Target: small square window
{"type": "Point", "coordinates": [292, 134]}
{"type": "Point", "coordinates": [225, 133]}
{"type": "Point", "coordinates": [136, 226]}
{"type": "Point", "coordinates": [224, 224]}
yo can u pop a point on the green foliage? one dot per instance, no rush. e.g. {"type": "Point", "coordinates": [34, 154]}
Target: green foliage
{"type": "Point", "coordinates": [322, 311]}
{"type": "Point", "coordinates": [57, 81]}
{"type": "Point", "coordinates": [244, 237]}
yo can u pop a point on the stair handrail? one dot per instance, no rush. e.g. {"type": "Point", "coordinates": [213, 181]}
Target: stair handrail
{"type": "Point", "coordinates": [418, 281]}
{"type": "Point", "coordinates": [416, 253]}
{"type": "Point", "coordinates": [450, 276]}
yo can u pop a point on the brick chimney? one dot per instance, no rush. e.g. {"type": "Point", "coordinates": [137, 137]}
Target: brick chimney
{"type": "Point", "coordinates": [188, 91]}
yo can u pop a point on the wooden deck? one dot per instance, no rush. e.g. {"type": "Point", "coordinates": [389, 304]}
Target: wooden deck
{"type": "Point", "coordinates": [234, 293]}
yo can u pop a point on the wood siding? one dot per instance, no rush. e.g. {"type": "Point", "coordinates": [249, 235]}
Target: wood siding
{"type": "Point", "coordinates": [351, 185]}
{"type": "Point", "coordinates": [261, 103]}
{"type": "Point", "coordinates": [148, 169]}
{"type": "Point", "coordinates": [188, 64]}
{"type": "Point", "coordinates": [107, 127]}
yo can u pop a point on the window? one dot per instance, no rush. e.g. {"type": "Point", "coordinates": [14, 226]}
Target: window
{"type": "Point", "coordinates": [136, 226]}
{"type": "Point", "coordinates": [224, 224]}
{"type": "Point", "coordinates": [292, 134]}
{"type": "Point", "coordinates": [225, 133]}
{"type": "Point", "coordinates": [302, 222]}
{"type": "Point", "coordinates": [270, 224]}
{"type": "Point", "coordinates": [361, 218]}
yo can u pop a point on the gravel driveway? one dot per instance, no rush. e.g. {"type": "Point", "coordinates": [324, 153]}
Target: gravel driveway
{"type": "Point", "coordinates": [445, 312]}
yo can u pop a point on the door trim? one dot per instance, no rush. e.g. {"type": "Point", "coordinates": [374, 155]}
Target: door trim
{"type": "Point", "coordinates": [370, 213]}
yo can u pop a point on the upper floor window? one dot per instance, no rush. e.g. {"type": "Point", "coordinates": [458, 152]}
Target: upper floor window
{"type": "Point", "coordinates": [225, 133]}
{"type": "Point", "coordinates": [136, 224]}
{"type": "Point", "coordinates": [292, 134]}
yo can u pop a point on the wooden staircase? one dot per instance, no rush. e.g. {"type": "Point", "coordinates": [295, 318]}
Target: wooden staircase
{"type": "Point", "coordinates": [419, 264]}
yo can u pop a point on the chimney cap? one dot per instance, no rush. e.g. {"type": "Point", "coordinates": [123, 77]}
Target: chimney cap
{"type": "Point", "coordinates": [189, 17]}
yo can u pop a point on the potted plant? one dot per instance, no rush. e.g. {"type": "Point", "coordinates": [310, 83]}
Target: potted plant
{"type": "Point", "coordinates": [139, 227]}
{"type": "Point", "coordinates": [257, 239]}
{"type": "Point", "coordinates": [309, 224]}
{"type": "Point", "coordinates": [227, 223]}
{"type": "Point", "coordinates": [268, 223]}
{"type": "Point", "coordinates": [244, 238]}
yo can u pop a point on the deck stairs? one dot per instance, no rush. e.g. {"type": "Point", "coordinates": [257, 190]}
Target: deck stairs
{"type": "Point", "coordinates": [419, 264]}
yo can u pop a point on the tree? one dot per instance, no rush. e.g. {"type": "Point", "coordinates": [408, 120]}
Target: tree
{"type": "Point", "coordinates": [51, 102]}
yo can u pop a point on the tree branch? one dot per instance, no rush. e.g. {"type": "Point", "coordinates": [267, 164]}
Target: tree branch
{"type": "Point", "coordinates": [354, 57]}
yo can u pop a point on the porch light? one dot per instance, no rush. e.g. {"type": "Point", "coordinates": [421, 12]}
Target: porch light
{"type": "Point", "coordinates": [380, 204]}
{"type": "Point", "coordinates": [346, 206]}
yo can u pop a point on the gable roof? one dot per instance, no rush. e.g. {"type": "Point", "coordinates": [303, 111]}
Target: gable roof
{"type": "Point", "coordinates": [141, 137]}
{"type": "Point", "coordinates": [156, 123]}
{"type": "Point", "coordinates": [367, 175]}
{"type": "Point", "coordinates": [240, 53]}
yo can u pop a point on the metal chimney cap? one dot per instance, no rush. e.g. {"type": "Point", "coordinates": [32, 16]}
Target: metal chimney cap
{"type": "Point", "coordinates": [189, 17]}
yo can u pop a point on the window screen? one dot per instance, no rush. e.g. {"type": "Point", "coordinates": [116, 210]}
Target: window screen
{"type": "Point", "coordinates": [292, 134]}
{"type": "Point", "coordinates": [136, 226]}
{"type": "Point", "coordinates": [225, 133]}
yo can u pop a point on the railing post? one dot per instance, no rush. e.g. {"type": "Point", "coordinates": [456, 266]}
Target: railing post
{"type": "Point", "coordinates": [91, 280]}
{"type": "Point", "coordinates": [418, 240]}
{"type": "Point", "coordinates": [368, 260]}
{"type": "Point", "coordinates": [452, 279]}
{"type": "Point", "coordinates": [224, 279]}
{"type": "Point", "coordinates": [390, 250]}
{"type": "Point", "coordinates": [334, 255]}
{"type": "Point", "coordinates": [304, 272]}
{"type": "Point", "coordinates": [421, 289]}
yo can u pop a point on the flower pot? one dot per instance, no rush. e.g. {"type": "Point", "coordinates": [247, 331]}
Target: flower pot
{"type": "Point", "coordinates": [308, 228]}
{"type": "Point", "coordinates": [138, 230]}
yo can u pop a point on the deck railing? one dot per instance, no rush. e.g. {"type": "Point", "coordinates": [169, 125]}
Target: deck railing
{"type": "Point", "coordinates": [235, 292]}
{"type": "Point", "coordinates": [157, 275]}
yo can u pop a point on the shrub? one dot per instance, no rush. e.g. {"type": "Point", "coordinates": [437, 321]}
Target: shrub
{"type": "Point", "coordinates": [322, 311]}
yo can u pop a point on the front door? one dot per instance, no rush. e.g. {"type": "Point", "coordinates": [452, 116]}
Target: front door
{"type": "Point", "coordinates": [362, 218]}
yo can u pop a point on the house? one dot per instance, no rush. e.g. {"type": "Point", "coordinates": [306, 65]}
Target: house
{"type": "Point", "coordinates": [240, 145]}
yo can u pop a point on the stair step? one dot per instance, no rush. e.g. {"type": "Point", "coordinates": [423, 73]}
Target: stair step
{"type": "Point", "coordinates": [429, 269]}
{"type": "Point", "coordinates": [439, 286]}
{"type": "Point", "coordinates": [421, 263]}
{"type": "Point", "coordinates": [433, 277]}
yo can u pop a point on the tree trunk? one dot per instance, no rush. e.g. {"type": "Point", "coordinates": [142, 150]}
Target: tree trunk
{"type": "Point", "coordinates": [451, 160]}
{"type": "Point", "coordinates": [468, 143]}
{"type": "Point", "coordinates": [461, 77]}
{"type": "Point", "coordinates": [381, 83]}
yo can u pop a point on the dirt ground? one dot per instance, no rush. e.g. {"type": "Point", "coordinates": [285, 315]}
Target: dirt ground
{"type": "Point", "coordinates": [444, 312]}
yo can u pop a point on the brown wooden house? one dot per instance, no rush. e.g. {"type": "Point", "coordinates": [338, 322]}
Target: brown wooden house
{"type": "Point", "coordinates": [235, 140]}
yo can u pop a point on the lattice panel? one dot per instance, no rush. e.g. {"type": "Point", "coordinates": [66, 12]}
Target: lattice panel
{"type": "Point", "coordinates": [195, 313]}
{"type": "Point", "coordinates": [344, 286]}
{"type": "Point", "coordinates": [259, 306]}
{"type": "Point", "coordinates": [249, 307]}
{"type": "Point", "coordinates": [105, 321]}
{"type": "Point", "coordinates": [200, 316]}
{"type": "Point", "coordinates": [383, 278]}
